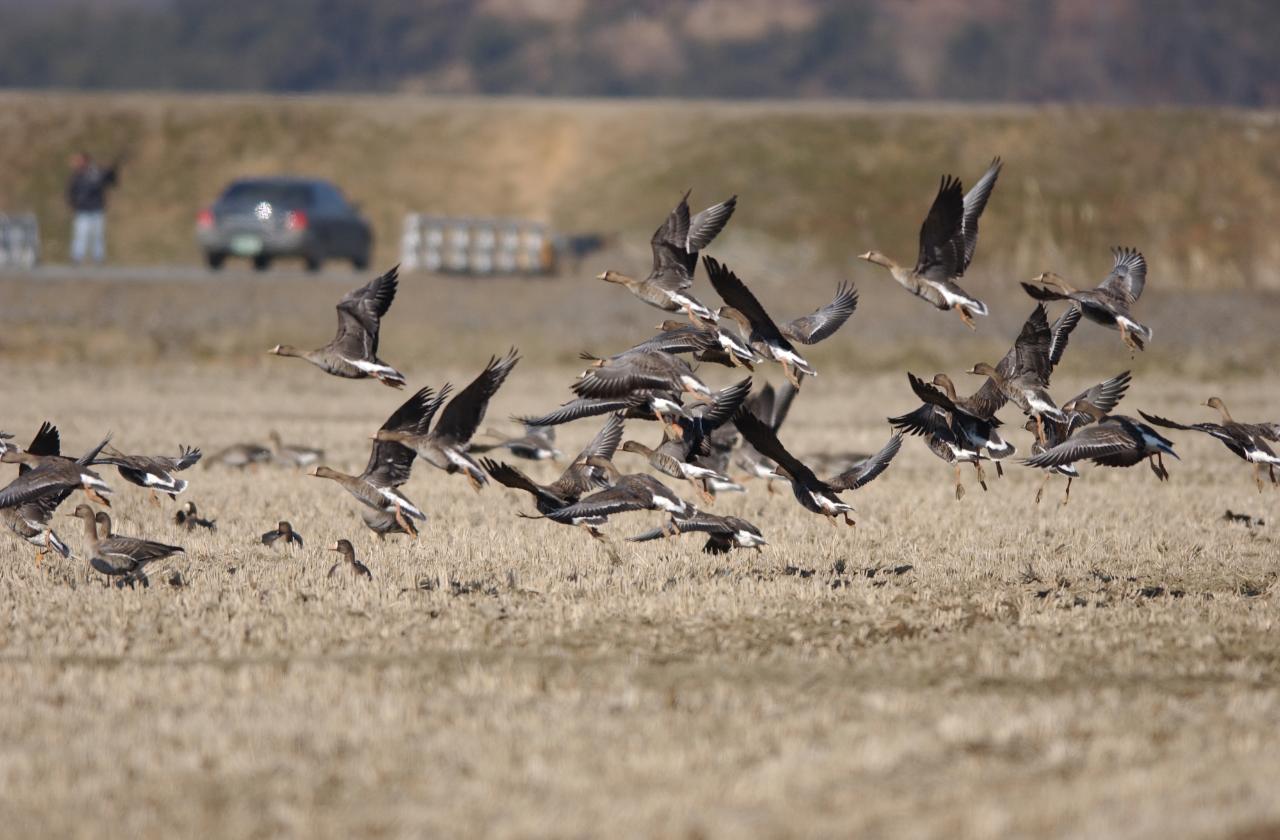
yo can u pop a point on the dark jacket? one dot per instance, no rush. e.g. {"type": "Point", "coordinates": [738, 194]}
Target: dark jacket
{"type": "Point", "coordinates": [87, 189]}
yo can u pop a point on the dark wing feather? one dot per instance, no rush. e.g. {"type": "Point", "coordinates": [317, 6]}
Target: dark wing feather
{"type": "Point", "coordinates": [927, 420]}
{"type": "Point", "coordinates": [390, 463]}
{"type": "Point", "coordinates": [1157, 420]}
{"type": "Point", "coordinates": [1128, 275]}
{"type": "Point", "coordinates": [941, 240]}
{"type": "Point", "coordinates": [761, 403]}
{"type": "Point", "coordinates": [823, 322]}
{"type": "Point", "coordinates": [766, 442]}
{"type": "Point", "coordinates": [465, 412]}
{"type": "Point", "coordinates": [736, 294]}
{"type": "Point", "coordinates": [577, 409]}
{"type": "Point", "coordinates": [672, 264]}
{"type": "Point", "coordinates": [1044, 293]}
{"type": "Point", "coordinates": [1031, 350]}
{"type": "Point", "coordinates": [707, 225]}
{"type": "Point", "coordinates": [611, 500]}
{"type": "Point", "coordinates": [1060, 332]}
{"type": "Point", "coordinates": [47, 441]}
{"type": "Point", "coordinates": [1104, 396]}
{"type": "Point", "coordinates": [866, 470]}
{"type": "Point", "coordinates": [975, 201]}
{"type": "Point", "coordinates": [620, 381]}
{"type": "Point", "coordinates": [1096, 441]}
{"type": "Point", "coordinates": [360, 314]}
{"type": "Point", "coordinates": [782, 404]}
{"type": "Point", "coordinates": [509, 476]}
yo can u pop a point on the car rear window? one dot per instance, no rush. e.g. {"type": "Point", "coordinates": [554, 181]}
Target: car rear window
{"type": "Point", "coordinates": [245, 195]}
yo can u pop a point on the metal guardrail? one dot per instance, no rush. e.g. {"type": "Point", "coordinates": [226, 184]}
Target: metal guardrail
{"type": "Point", "coordinates": [19, 241]}
{"type": "Point", "coordinates": [476, 246]}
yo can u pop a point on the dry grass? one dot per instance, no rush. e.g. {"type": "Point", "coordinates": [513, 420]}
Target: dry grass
{"type": "Point", "coordinates": [982, 668]}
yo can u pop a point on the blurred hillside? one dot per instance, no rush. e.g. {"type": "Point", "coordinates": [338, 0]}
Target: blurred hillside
{"type": "Point", "coordinates": [1114, 51]}
{"type": "Point", "coordinates": [819, 182]}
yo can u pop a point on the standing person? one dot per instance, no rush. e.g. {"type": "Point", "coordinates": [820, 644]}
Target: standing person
{"type": "Point", "coordinates": [87, 195]}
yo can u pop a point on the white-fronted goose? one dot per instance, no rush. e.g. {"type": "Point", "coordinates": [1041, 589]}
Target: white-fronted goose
{"type": "Point", "coordinates": [353, 352]}
{"type": "Point", "coordinates": [390, 464]}
{"type": "Point", "coordinates": [663, 406]}
{"type": "Point", "coordinates": [1109, 302]}
{"type": "Point", "coordinates": [725, 533]}
{"type": "Point", "coordinates": [1022, 376]}
{"type": "Point", "coordinates": [348, 564]}
{"type": "Point", "coordinates": [634, 491]}
{"type": "Point", "coordinates": [445, 446]}
{"type": "Point", "coordinates": [239, 455]}
{"type": "Point", "coordinates": [153, 472]}
{"type": "Point", "coordinates": [31, 521]}
{"type": "Point", "coordinates": [115, 555]}
{"type": "Point", "coordinates": [1113, 441]}
{"type": "Point", "coordinates": [948, 239]}
{"type": "Point", "coordinates": [294, 454]}
{"type": "Point", "coordinates": [1081, 410]}
{"type": "Point", "coordinates": [578, 479]}
{"type": "Point", "coordinates": [51, 475]}
{"type": "Point", "coordinates": [190, 519]}
{"type": "Point", "coordinates": [711, 343]}
{"type": "Point", "coordinates": [640, 372]}
{"type": "Point", "coordinates": [538, 443]}
{"type": "Point", "coordinates": [1246, 440]}
{"type": "Point", "coordinates": [675, 248]}
{"type": "Point", "coordinates": [811, 492]}
{"type": "Point", "coordinates": [763, 334]}
{"type": "Point", "coordinates": [284, 533]}
{"type": "Point", "coordinates": [953, 428]}
{"type": "Point", "coordinates": [675, 455]}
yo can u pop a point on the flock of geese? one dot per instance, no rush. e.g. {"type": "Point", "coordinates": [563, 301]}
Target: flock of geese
{"type": "Point", "coordinates": [705, 433]}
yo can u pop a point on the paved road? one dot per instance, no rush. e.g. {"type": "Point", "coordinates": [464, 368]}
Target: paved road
{"type": "Point", "coordinates": [168, 273]}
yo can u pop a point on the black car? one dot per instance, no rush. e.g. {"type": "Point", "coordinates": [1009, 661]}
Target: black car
{"type": "Point", "coordinates": [265, 218]}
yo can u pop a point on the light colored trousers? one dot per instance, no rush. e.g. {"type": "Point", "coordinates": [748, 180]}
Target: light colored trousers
{"type": "Point", "coordinates": [88, 231]}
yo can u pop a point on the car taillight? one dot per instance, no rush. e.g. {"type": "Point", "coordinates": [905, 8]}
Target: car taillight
{"type": "Point", "coordinates": [204, 219]}
{"type": "Point", "coordinates": [295, 220]}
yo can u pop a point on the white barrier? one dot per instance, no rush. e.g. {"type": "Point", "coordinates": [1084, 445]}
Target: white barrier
{"type": "Point", "coordinates": [19, 241]}
{"type": "Point", "coordinates": [475, 246]}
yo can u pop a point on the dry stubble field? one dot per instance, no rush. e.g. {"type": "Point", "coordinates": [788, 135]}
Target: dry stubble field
{"type": "Point", "coordinates": [980, 668]}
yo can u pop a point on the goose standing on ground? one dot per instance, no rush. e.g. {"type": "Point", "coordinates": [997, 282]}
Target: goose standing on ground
{"type": "Point", "coordinates": [675, 248]}
{"type": "Point", "coordinates": [390, 463]}
{"type": "Point", "coordinates": [348, 563]}
{"type": "Point", "coordinates": [239, 455]}
{"type": "Point", "coordinates": [153, 472]}
{"type": "Point", "coordinates": [293, 454]}
{"type": "Point", "coordinates": [578, 479]}
{"type": "Point", "coordinates": [1109, 303]}
{"type": "Point", "coordinates": [538, 443]}
{"type": "Point", "coordinates": [1022, 376]}
{"type": "Point", "coordinates": [284, 533]}
{"type": "Point", "coordinates": [763, 334]}
{"type": "Point", "coordinates": [187, 517]}
{"type": "Point", "coordinates": [1113, 441]}
{"type": "Point", "coordinates": [1247, 440]}
{"type": "Point", "coordinates": [724, 533]}
{"type": "Point", "coordinates": [634, 491]}
{"type": "Point", "coordinates": [52, 474]}
{"type": "Point", "coordinates": [811, 492]}
{"type": "Point", "coordinates": [30, 521]}
{"type": "Point", "coordinates": [118, 556]}
{"type": "Point", "coordinates": [353, 352]}
{"type": "Point", "coordinates": [1081, 410]}
{"type": "Point", "coordinates": [445, 446]}
{"type": "Point", "coordinates": [948, 239]}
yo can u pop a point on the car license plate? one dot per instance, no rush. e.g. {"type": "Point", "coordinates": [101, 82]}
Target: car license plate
{"type": "Point", "coordinates": [246, 246]}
